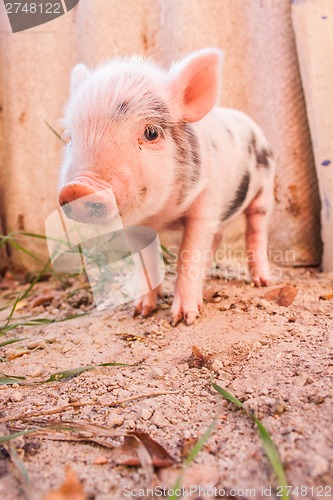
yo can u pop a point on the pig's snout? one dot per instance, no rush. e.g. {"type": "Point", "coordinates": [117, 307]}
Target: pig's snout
{"type": "Point", "coordinates": [84, 203]}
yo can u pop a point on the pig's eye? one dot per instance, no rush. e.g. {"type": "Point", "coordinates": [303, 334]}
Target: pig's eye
{"type": "Point", "coordinates": [152, 133]}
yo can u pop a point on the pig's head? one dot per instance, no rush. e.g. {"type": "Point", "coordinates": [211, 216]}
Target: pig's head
{"type": "Point", "coordinates": [121, 121]}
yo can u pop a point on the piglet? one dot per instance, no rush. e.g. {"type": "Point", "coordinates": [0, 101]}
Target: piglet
{"type": "Point", "coordinates": [173, 160]}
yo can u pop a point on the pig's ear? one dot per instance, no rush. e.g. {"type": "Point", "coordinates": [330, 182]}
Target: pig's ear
{"type": "Point", "coordinates": [194, 83]}
{"type": "Point", "coordinates": [79, 73]}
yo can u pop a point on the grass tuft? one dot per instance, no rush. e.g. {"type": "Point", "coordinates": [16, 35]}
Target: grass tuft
{"type": "Point", "coordinates": [193, 453]}
{"type": "Point", "coordinates": [62, 376]}
{"type": "Point", "coordinates": [268, 444]}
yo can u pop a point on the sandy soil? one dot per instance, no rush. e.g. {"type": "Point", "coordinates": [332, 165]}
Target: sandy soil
{"type": "Point", "coordinates": [277, 359]}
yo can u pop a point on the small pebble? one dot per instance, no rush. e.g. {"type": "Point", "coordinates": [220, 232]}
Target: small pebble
{"type": "Point", "coordinates": [264, 303]}
{"type": "Point", "coordinates": [120, 379]}
{"type": "Point", "coordinates": [16, 397]}
{"type": "Point", "coordinates": [186, 402]}
{"type": "Point", "coordinates": [146, 413]}
{"type": "Point", "coordinates": [319, 466]}
{"type": "Point", "coordinates": [37, 344]}
{"type": "Point", "coordinates": [115, 420]}
{"type": "Point", "coordinates": [130, 424]}
{"type": "Point", "coordinates": [154, 329]}
{"type": "Point", "coordinates": [101, 460]}
{"type": "Point", "coordinates": [159, 419]}
{"type": "Point", "coordinates": [37, 371]}
{"type": "Point", "coordinates": [217, 365]}
{"type": "Point", "coordinates": [157, 373]}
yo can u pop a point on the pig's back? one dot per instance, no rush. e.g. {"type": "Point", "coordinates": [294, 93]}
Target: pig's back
{"type": "Point", "coordinates": [232, 143]}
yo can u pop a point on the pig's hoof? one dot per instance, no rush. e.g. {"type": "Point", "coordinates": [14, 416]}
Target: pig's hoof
{"type": "Point", "coordinates": [190, 317]}
{"type": "Point", "coordinates": [176, 317]}
{"type": "Point", "coordinates": [148, 310]}
{"type": "Point", "coordinates": [145, 311]}
{"type": "Point", "coordinates": [260, 274]}
{"type": "Point", "coordinates": [259, 281]}
{"type": "Point", "coordinates": [146, 304]}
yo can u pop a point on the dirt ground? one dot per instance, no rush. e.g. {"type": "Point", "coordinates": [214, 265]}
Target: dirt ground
{"type": "Point", "coordinates": [276, 359]}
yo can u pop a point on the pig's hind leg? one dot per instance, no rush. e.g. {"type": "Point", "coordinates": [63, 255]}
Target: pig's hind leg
{"type": "Point", "coordinates": [257, 218]}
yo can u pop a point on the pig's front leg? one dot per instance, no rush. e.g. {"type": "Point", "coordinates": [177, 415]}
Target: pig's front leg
{"type": "Point", "coordinates": [147, 303]}
{"type": "Point", "coordinates": [147, 277]}
{"type": "Point", "coordinates": [193, 263]}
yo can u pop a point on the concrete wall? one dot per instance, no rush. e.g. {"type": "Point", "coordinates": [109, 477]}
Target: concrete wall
{"type": "Point", "coordinates": [261, 77]}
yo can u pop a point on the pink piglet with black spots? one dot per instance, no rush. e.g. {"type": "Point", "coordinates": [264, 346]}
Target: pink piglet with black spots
{"type": "Point", "coordinates": [173, 160]}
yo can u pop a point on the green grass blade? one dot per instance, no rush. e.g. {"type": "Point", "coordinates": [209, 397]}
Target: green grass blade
{"type": "Point", "coordinates": [21, 469]}
{"type": "Point", "coordinates": [4, 238]}
{"type": "Point", "coordinates": [168, 252]}
{"type": "Point", "coordinates": [10, 381]}
{"type": "Point", "coordinates": [9, 437]}
{"type": "Point", "coordinates": [66, 374]}
{"type": "Point", "coordinates": [36, 279]}
{"type": "Point", "coordinates": [38, 322]}
{"type": "Point", "coordinates": [268, 444]}
{"type": "Point", "coordinates": [200, 443]}
{"type": "Point", "coordinates": [193, 453]}
{"type": "Point", "coordinates": [272, 454]}
{"type": "Point", "coordinates": [229, 396]}
{"type": "Point", "coordinates": [54, 131]}
{"type": "Point", "coordinates": [12, 341]}
{"type": "Point", "coordinates": [72, 316]}
{"type": "Point", "coordinates": [74, 372]}
{"type": "Point", "coordinates": [32, 235]}
{"type": "Point", "coordinates": [18, 298]}
{"type": "Point", "coordinates": [62, 376]}
{"type": "Point", "coordinates": [16, 245]}
{"type": "Point", "coordinates": [12, 376]}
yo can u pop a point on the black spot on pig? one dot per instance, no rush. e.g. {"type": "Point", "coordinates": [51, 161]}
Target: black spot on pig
{"type": "Point", "coordinates": [239, 197]}
{"type": "Point", "coordinates": [262, 154]}
{"type": "Point", "coordinates": [155, 110]}
{"type": "Point", "coordinates": [263, 157]}
{"type": "Point", "coordinates": [187, 156]}
{"type": "Point", "coordinates": [148, 106]}
{"type": "Point", "coordinates": [195, 152]}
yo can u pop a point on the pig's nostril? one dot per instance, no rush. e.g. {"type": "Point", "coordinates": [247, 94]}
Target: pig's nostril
{"type": "Point", "coordinates": [96, 209]}
{"type": "Point", "coordinates": [66, 208]}
{"type": "Point", "coordinates": [62, 202]}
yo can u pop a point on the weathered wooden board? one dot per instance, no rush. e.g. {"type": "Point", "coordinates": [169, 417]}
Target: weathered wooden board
{"type": "Point", "coordinates": [313, 27]}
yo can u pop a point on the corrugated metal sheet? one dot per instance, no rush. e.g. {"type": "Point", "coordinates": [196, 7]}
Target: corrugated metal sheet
{"type": "Point", "coordinates": [261, 77]}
